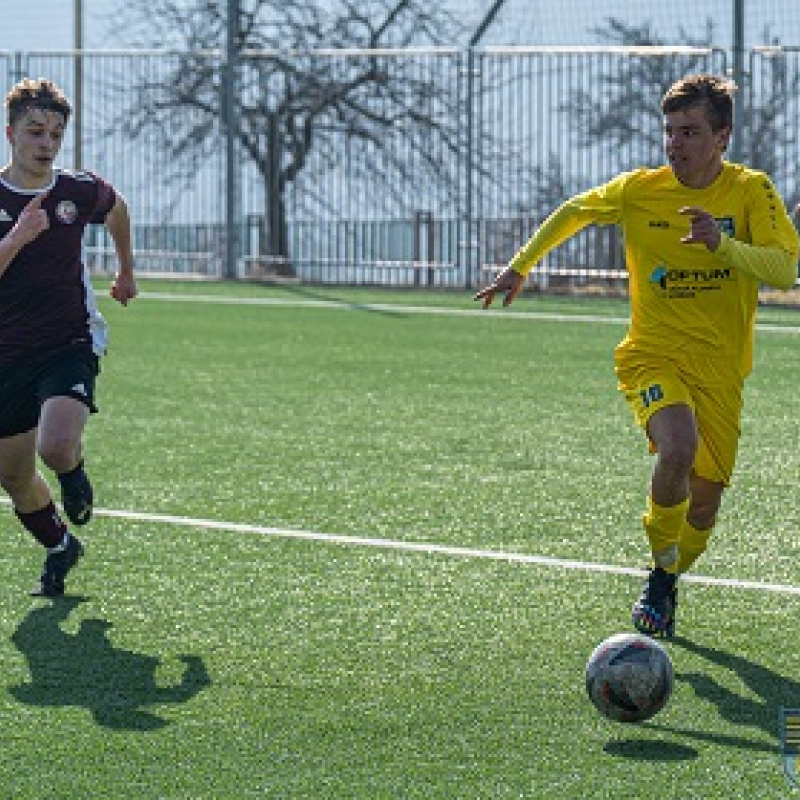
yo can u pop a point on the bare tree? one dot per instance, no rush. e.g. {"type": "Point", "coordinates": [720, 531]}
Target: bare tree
{"type": "Point", "coordinates": [770, 120]}
{"type": "Point", "coordinates": [623, 115]}
{"type": "Point", "coordinates": [304, 87]}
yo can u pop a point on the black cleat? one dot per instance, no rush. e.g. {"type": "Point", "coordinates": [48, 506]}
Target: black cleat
{"type": "Point", "coordinates": [77, 497]}
{"type": "Point", "coordinates": [654, 612]}
{"type": "Point", "coordinates": [56, 566]}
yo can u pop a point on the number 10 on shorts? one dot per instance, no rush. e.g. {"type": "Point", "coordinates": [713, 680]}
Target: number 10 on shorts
{"type": "Point", "coordinates": [652, 394]}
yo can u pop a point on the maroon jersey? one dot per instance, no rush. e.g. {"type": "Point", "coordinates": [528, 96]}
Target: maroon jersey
{"type": "Point", "coordinates": [45, 297]}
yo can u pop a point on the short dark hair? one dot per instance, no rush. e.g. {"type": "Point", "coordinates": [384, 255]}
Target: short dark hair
{"type": "Point", "coordinates": [712, 91]}
{"type": "Point", "coordinates": [39, 93]}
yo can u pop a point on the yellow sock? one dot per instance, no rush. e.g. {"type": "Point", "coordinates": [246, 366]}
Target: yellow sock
{"type": "Point", "coordinates": [692, 545]}
{"type": "Point", "coordinates": [663, 525]}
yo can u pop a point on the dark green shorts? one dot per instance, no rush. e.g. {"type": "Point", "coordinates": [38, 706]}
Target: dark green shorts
{"type": "Point", "coordinates": [24, 387]}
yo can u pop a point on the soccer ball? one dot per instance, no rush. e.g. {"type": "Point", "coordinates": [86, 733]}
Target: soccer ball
{"type": "Point", "coordinates": [629, 677]}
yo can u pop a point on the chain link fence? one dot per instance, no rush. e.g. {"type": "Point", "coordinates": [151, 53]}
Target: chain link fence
{"type": "Point", "coordinates": [433, 175]}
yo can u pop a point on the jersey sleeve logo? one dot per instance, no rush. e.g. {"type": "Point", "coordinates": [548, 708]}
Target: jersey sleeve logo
{"type": "Point", "coordinates": [66, 212]}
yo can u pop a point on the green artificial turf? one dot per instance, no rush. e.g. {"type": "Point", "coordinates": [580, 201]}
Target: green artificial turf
{"type": "Point", "coordinates": [341, 551]}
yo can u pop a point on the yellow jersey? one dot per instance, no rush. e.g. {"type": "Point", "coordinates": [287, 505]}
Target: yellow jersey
{"type": "Point", "coordinates": [689, 306]}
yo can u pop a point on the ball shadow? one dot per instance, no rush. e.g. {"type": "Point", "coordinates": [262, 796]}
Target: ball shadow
{"type": "Point", "coordinates": [650, 750]}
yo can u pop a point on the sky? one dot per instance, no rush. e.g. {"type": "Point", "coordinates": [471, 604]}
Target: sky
{"type": "Point", "coordinates": [519, 22]}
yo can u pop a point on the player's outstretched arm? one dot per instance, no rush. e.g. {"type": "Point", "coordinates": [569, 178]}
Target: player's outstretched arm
{"type": "Point", "coordinates": [570, 217]}
{"type": "Point", "coordinates": [508, 283]}
{"type": "Point", "coordinates": [118, 222]}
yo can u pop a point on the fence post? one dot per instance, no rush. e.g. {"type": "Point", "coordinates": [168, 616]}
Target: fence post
{"type": "Point", "coordinates": [78, 98]}
{"type": "Point", "coordinates": [739, 79]}
{"type": "Point", "coordinates": [471, 264]}
{"type": "Point", "coordinates": [468, 239]}
{"type": "Point", "coordinates": [229, 86]}
{"type": "Point", "coordinates": [424, 220]}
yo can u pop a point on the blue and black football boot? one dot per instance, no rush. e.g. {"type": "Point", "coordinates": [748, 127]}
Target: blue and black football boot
{"type": "Point", "coordinates": [654, 612]}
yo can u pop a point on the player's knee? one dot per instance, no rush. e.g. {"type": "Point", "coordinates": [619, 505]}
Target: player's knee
{"type": "Point", "coordinates": [60, 454]}
{"type": "Point", "coordinates": [673, 431]}
{"type": "Point", "coordinates": [706, 498]}
{"type": "Point", "coordinates": [676, 457]}
{"type": "Point", "coordinates": [701, 519]}
{"type": "Point", "coordinates": [703, 514]}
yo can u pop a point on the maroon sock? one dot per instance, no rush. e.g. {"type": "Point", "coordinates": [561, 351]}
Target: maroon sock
{"type": "Point", "coordinates": [45, 525]}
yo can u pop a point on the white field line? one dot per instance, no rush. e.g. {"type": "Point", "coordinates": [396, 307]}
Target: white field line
{"type": "Point", "coordinates": [428, 548]}
{"type": "Point", "coordinates": [425, 547]}
{"type": "Point", "coordinates": [343, 305]}
{"type": "Point", "coordinates": [431, 548]}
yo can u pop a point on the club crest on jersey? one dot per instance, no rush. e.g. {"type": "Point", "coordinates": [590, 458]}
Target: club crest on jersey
{"type": "Point", "coordinates": [66, 212]}
{"type": "Point", "coordinates": [726, 225]}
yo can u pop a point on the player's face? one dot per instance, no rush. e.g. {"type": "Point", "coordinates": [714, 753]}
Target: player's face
{"type": "Point", "coordinates": [693, 149]}
{"type": "Point", "coordinates": [35, 140]}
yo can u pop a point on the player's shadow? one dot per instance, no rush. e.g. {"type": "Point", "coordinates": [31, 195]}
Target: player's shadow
{"type": "Point", "coordinates": [771, 690]}
{"type": "Point", "coordinates": [312, 294]}
{"type": "Point", "coordinates": [85, 669]}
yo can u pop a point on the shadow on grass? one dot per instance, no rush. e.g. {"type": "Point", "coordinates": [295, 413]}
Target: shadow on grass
{"type": "Point", "coordinates": [315, 294]}
{"type": "Point", "coordinates": [771, 689]}
{"type": "Point", "coordinates": [650, 750]}
{"type": "Point", "coordinates": [85, 669]}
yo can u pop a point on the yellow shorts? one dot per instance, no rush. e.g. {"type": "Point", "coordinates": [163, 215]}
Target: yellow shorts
{"type": "Point", "coordinates": [717, 411]}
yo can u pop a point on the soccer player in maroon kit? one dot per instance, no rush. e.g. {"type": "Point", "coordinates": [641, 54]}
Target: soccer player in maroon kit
{"type": "Point", "coordinates": [51, 334]}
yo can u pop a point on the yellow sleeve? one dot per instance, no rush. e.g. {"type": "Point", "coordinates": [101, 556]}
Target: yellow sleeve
{"type": "Point", "coordinates": [770, 256]}
{"type": "Point", "coordinates": [771, 265]}
{"type": "Point", "coordinates": [602, 205]}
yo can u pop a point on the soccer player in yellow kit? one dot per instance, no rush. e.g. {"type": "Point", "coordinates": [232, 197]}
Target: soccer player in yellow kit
{"type": "Point", "coordinates": [701, 234]}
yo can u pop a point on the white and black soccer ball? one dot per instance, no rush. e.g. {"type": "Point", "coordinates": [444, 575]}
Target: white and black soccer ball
{"type": "Point", "coordinates": [629, 677]}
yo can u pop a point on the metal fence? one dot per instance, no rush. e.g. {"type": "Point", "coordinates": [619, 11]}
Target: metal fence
{"type": "Point", "coordinates": [508, 134]}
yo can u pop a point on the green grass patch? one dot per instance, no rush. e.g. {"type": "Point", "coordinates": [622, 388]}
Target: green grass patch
{"type": "Point", "coordinates": [194, 662]}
